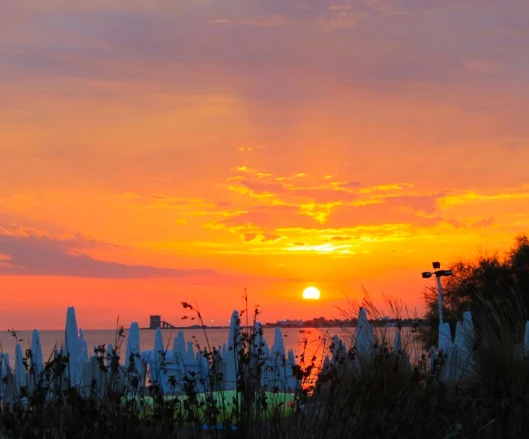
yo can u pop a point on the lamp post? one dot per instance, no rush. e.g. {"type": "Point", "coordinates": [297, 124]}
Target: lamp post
{"type": "Point", "coordinates": [438, 274]}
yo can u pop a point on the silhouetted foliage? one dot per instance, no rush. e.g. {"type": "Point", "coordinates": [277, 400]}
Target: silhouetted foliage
{"type": "Point", "coordinates": [378, 394]}
{"type": "Point", "coordinates": [492, 284]}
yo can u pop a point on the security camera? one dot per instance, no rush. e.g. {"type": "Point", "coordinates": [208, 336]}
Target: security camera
{"type": "Point", "coordinates": [436, 265]}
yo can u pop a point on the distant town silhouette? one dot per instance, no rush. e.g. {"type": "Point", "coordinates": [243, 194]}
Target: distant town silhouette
{"type": "Point", "coordinates": [316, 322]}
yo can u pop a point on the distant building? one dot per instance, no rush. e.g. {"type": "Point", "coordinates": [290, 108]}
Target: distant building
{"type": "Point", "coordinates": [290, 323]}
{"type": "Point", "coordinates": [156, 322]}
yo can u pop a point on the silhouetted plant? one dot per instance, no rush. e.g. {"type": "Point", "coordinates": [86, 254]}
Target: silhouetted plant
{"type": "Point", "coordinates": [387, 399]}
{"type": "Point", "coordinates": [493, 282]}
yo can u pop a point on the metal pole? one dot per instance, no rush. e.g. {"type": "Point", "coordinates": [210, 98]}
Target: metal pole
{"type": "Point", "coordinates": [440, 299]}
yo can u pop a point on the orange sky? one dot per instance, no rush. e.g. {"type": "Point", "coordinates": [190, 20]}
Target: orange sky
{"type": "Point", "coordinates": [153, 152]}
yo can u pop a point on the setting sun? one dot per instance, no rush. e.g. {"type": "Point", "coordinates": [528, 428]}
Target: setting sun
{"type": "Point", "coordinates": [311, 293]}
{"type": "Point", "coordinates": [252, 167]}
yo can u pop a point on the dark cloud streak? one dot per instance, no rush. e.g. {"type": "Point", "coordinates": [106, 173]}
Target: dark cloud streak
{"type": "Point", "coordinates": [33, 255]}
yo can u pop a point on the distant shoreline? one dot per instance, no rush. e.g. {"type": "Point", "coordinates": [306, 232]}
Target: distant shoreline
{"type": "Point", "coordinates": [375, 324]}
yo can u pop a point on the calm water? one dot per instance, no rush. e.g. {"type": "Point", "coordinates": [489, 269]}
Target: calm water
{"type": "Point", "coordinates": [318, 340]}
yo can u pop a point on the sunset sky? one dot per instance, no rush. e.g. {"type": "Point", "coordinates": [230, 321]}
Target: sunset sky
{"type": "Point", "coordinates": [153, 152]}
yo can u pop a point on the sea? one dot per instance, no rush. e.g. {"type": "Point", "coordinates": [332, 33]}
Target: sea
{"type": "Point", "coordinates": [308, 342]}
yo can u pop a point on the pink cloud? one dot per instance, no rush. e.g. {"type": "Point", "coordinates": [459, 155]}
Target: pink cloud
{"type": "Point", "coordinates": [30, 253]}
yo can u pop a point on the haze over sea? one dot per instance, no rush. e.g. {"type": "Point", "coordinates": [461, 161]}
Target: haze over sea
{"type": "Point", "coordinates": [293, 339]}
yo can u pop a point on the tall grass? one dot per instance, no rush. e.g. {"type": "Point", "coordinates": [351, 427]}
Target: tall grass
{"type": "Point", "coordinates": [386, 394]}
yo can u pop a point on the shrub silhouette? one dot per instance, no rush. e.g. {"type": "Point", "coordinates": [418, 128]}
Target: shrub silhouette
{"type": "Point", "coordinates": [488, 286]}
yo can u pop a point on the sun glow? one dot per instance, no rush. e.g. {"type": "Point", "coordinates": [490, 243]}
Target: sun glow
{"type": "Point", "coordinates": [311, 293]}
